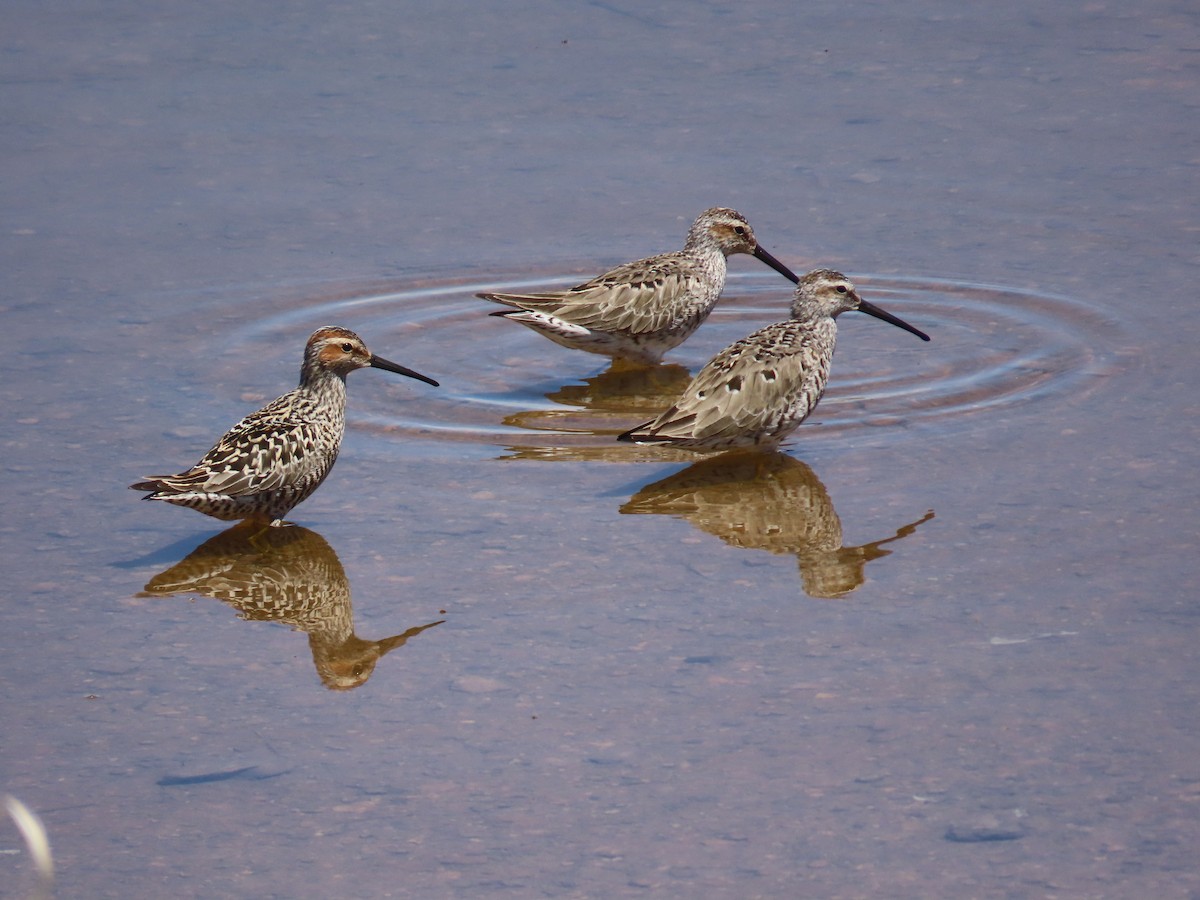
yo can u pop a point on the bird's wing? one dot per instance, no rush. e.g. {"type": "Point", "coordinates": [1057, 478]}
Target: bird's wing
{"type": "Point", "coordinates": [262, 452]}
{"type": "Point", "coordinates": [744, 388]}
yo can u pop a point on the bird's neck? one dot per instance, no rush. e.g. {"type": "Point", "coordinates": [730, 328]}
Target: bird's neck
{"type": "Point", "coordinates": [703, 245]}
{"type": "Point", "coordinates": [325, 385]}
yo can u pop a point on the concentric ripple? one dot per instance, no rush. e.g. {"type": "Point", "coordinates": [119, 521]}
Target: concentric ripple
{"type": "Point", "coordinates": [992, 347]}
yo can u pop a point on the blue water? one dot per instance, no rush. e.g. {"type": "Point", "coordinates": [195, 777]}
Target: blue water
{"type": "Point", "coordinates": [651, 679]}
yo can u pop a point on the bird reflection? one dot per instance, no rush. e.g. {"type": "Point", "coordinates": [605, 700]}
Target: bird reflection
{"type": "Point", "coordinates": [289, 575]}
{"type": "Point", "coordinates": [772, 502]}
{"type": "Point", "coordinates": [602, 405]}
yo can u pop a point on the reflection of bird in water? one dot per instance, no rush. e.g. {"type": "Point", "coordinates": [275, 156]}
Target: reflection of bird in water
{"type": "Point", "coordinates": [596, 410]}
{"type": "Point", "coordinates": [773, 502]}
{"type": "Point", "coordinates": [276, 457]}
{"type": "Point", "coordinates": [286, 575]}
{"type": "Point", "coordinates": [602, 402]}
{"type": "Point", "coordinates": [756, 391]}
{"type": "Point", "coordinates": [640, 310]}
{"type": "Point", "coordinates": [623, 389]}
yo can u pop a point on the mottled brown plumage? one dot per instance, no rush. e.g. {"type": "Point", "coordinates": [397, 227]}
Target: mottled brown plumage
{"type": "Point", "coordinates": [755, 392]}
{"type": "Point", "coordinates": [276, 457]}
{"type": "Point", "coordinates": [640, 310]}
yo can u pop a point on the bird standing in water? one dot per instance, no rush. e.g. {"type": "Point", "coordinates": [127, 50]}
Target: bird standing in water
{"type": "Point", "coordinates": [276, 457]}
{"type": "Point", "coordinates": [756, 391]}
{"type": "Point", "coordinates": [640, 310]}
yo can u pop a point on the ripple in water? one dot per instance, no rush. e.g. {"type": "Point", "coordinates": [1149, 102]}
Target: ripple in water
{"type": "Point", "coordinates": [993, 347]}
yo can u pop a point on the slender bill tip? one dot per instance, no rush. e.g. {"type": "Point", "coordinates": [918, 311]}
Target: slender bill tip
{"type": "Point", "coordinates": [760, 253]}
{"type": "Point", "coordinates": [872, 310]}
{"type": "Point", "coordinates": [378, 362]}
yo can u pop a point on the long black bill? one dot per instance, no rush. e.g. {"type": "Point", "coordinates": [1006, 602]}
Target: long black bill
{"type": "Point", "coordinates": [775, 264]}
{"type": "Point", "coordinates": [872, 310]}
{"type": "Point", "coordinates": [380, 363]}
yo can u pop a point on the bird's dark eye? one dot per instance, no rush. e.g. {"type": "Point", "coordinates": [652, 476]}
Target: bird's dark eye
{"type": "Point", "coordinates": [741, 232]}
{"type": "Point", "coordinates": [347, 348]}
{"type": "Point", "coordinates": [841, 289]}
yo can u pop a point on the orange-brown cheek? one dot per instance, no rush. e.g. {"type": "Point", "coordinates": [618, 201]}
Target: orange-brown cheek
{"type": "Point", "coordinates": [330, 354]}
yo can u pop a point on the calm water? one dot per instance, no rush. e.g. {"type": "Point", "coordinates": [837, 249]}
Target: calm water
{"type": "Point", "coordinates": [943, 646]}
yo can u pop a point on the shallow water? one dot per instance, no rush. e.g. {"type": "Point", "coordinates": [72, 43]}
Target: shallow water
{"type": "Point", "coordinates": [942, 646]}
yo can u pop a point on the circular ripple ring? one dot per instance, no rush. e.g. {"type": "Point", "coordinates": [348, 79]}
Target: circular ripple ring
{"type": "Point", "coordinates": [993, 347]}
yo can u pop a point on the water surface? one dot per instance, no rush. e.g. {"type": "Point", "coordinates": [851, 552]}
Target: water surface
{"type": "Point", "coordinates": [941, 646]}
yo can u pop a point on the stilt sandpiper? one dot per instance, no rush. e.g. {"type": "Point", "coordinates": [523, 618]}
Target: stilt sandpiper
{"type": "Point", "coordinates": [755, 392]}
{"type": "Point", "coordinates": [640, 310]}
{"type": "Point", "coordinates": [276, 457]}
